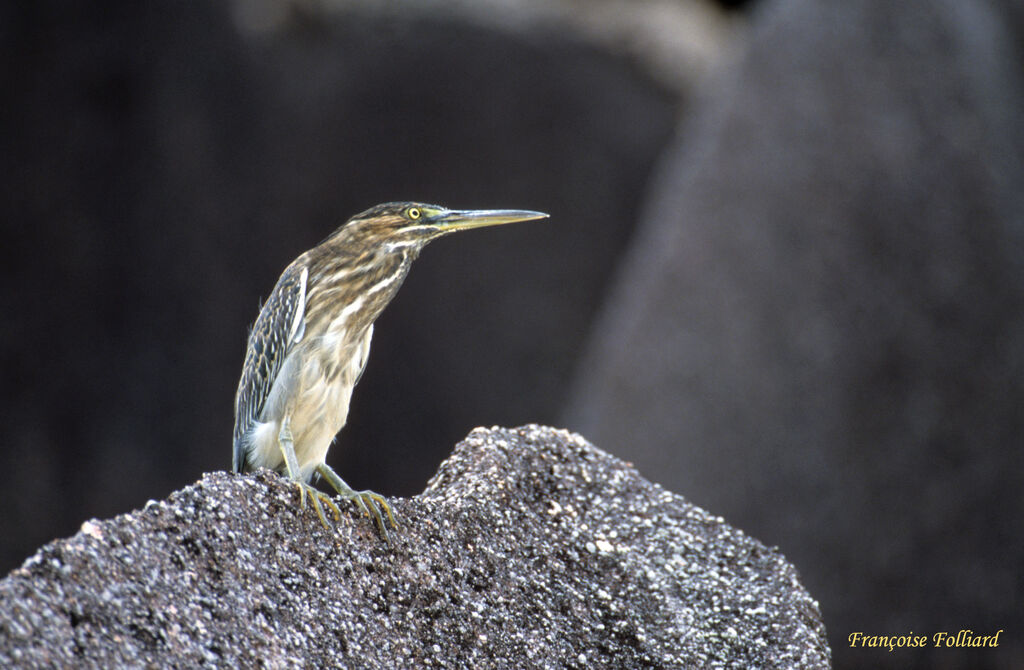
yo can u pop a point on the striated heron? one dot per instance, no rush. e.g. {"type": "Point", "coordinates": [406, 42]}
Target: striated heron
{"type": "Point", "coordinates": [310, 342]}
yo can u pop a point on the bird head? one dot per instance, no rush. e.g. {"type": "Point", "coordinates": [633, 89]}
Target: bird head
{"type": "Point", "coordinates": [413, 224]}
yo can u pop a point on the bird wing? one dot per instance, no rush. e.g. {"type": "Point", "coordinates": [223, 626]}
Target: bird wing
{"type": "Point", "coordinates": [279, 326]}
{"type": "Point", "coordinates": [364, 354]}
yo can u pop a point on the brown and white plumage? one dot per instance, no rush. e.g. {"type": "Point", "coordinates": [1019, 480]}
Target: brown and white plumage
{"type": "Point", "coordinates": [310, 343]}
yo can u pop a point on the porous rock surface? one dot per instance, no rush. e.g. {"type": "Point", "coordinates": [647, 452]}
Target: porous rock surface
{"type": "Point", "coordinates": [529, 548]}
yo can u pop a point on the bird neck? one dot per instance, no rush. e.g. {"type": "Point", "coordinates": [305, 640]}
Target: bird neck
{"type": "Point", "coordinates": [350, 291]}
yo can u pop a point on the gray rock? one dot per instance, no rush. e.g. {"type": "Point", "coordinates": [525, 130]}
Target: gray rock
{"type": "Point", "coordinates": [529, 548]}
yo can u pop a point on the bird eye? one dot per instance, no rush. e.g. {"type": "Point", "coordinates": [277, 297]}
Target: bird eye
{"type": "Point", "coordinates": [413, 213]}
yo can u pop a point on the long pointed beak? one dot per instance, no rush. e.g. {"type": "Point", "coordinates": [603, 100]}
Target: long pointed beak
{"type": "Point", "coordinates": [465, 219]}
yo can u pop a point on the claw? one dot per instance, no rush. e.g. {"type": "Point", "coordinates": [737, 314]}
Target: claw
{"type": "Point", "coordinates": [369, 503]}
{"type": "Point", "coordinates": [319, 500]}
{"type": "Point", "coordinates": [378, 502]}
{"type": "Point", "coordinates": [359, 503]}
{"type": "Point", "coordinates": [320, 510]}
{"type": "Point", "coordinates": [334, 508]}
{"type": "Point", "coordinates": [368, 500]}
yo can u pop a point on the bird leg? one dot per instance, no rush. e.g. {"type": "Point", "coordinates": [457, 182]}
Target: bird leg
{"type": "Point", "coordinates": [291, 463]}
{"type": "Point", "coordinates": [366, 500]}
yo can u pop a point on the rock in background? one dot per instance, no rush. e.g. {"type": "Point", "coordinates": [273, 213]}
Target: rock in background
{"type": "Point", "coordinates": [530, 548]}
{"type": "Point", "coordinates": [819, 331]}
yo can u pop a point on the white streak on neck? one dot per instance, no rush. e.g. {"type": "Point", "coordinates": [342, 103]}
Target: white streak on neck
{"type": "Point", "coordinates": [392, 247]}
{"type": "Point", "coordinates": [298, 328]}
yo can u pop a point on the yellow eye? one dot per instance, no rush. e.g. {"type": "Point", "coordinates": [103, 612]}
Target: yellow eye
{"type": "Point", "coordinates": [413, 213]}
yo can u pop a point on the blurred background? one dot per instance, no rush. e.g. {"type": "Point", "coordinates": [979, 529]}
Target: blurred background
{"type": "Point", "coordinates": [784, 273]}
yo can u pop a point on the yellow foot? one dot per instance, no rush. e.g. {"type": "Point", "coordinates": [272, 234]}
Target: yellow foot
{"type": "Point", "coordinates": [371, 503]}
{"type": "Point", "coordinates": [319, 499]}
